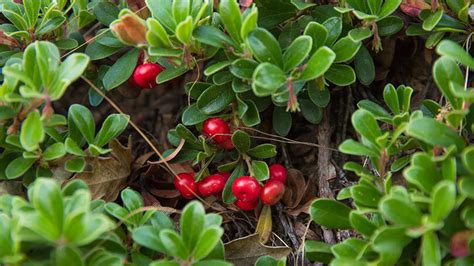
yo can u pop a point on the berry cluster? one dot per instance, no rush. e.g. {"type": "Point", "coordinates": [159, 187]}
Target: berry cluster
{"type": "Point", "coordinates": [248, 191]}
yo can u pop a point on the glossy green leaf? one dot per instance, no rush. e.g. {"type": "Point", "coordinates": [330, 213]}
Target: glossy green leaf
{"type": "Point", "coordinates": [267, 78]}
{"type": "Point", "coordinates": [215, 99]}
{"type": "Point", "coordinates": [231, 18]}
{"type": "Point", "coordinates": [341, 75]}
{"type": "Point", "coordinates": [434, 132]}
{"type": "Point", "coordinates": [345, 49]}
{"type": "Point", "coordinates": [265, 47]}
{"type": "Point", "coordinates": [330, 214]}
{"type": "Point", "coordinates": [297, 52]}
{"type": "Point", "coordinates": [241, 141]}
{"type": "Point", "coordinates": [121, 70]}
{"type": "Point", "coordinates": [32, 132]}
{"type": "Point", "coordinates": [318, 64]}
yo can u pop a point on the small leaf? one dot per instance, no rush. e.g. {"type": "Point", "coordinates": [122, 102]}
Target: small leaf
{"type": "Point", "coordinates": [231, 18]}
{"type": "Point", "coordinates": [207, 241]}
{"type": "Point", "coordinates": [173, 243]}
{"type": "Point", "coordinates": [83, 119]}
{"type": "Point", "coordinates": [265, 47]}
{"type": "Point", "coordinates": [112, 127]}
{"type": "Point", "coordinates": [215, 99]}
{"type": "Point", "coordinates": [263, 151]}
{"type": "Point", "coordinates": [32, 132]}
{"type": "Point", "coordinates": [184, 30]}
{"type": "Point", "coordinates": [330, 214]}
{"type": "Point", "coordinates": [318, 64]}
{"type": "Point", "coordinates": [281, 121]}
{"type": "Point", "coordinates": [340, 75]}
{"type": "Point", "coordinates": [443, 200]}
{"type": "Point", "coordinates": [268, 77]}
{"type": "Point", "coordinates": [401, 212]}
{"type": "Point", "coordinates": [434, 132]}
{"type": "Point", "coordinates": [18, 167]}
{"type": "Point", "coordinates": [260, 170]}
{"type": "Point", "coordinates": [121, 70]}
{"type": "Point", "coordinates": [297, 52]}
{"type": "Point", "coordinates": [364, 66]}
{"type": "Point", "coordinates": [55, 151]}
{"type": "Point", "coordinates": [430, 23]}
{"type": "Point", "coordinates": [75, 165]}
{"type": "Point", "coordinates": [241, 141]}
{"type": "Point", "coordinates": [345, 49]}
{"type": "Point", "coordinates": [192, 223]}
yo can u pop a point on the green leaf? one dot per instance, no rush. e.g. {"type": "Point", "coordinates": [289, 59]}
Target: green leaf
{"type": "Point", "coordinates": [207, 241]}
{"type": "Point", "coordinates": [318, 64]}
{"type": "Point", "coordinates": [434, 132]}
{"type": "Point", "coordinates": [318, 93]}
{"type": "Point", "coordinates": [214, 68]}
{"type": "Point", "coordinates": [241, 141]}
{"type": "Point", "coordinates": [362, 224]}
{"type": "Point", "coordinates": [364, 66]}
{"type": "Point", "coordinates": [18, 167]}
{"type": "Point", "coordinates": [181, 9]}
{"type": "Point", "coordinates": [330, 214]}
{"type": "Point", "coordinates": [249, 23]}
{"type": "Point", "coordinates": [318, 251]}
{"type": "Point", "coordinates": [32, 132]}
{"type": "Point", "coordinates": [296, 53]}
{"type": "Point", "coordinates": [72, 148]}
{"type": "Point", "coordinates": [83, 119]}
{"type": "Point", "coordinates": [231, 18]}
{"type": "Point", "coordinates": [345, 49]}
{"type": "Point", "coordinates": [227, 195]}
{"type": "Point", "coordinates": [432, 20]}
{"type": "Point", "coordinates": [366, 125]}
{"type": "Point", "coordinates": [265, 47]}
{"type": "Point", "coordinates": [170, 73]}
{"type": "Point", "coordinates": [389, 242]}
{"type": "Point", "coordinates": [32, 9]}
{"type": "Point", "coordinates": [355, 148]}
{"type": "Point", "coordinates": [263, 151]}
{"type": "Point", "coordinates": [389, 25]}
{"type": "Point", "coordinates": [66, 255]}
{"type": "Point", "coordinates": [430, 249]}
{"type": "Point", "coordinates": [75, 165]}
{"type": "Point", "coordinates": [215, 99]}
{"type": "Point", "coordinates": [333, 26]}
{"type": "Point", "coordinates": [55, 151]}
{"type": "Point", "coordinates": [310, 111]}
{"type": "Point", "coordinates": [251, 117]}
{"type": "Point", "coordinates": [467, 159]}
{"type": "Point", "coordinates": [400, 212]}
{"type": "Point", "coordinates": [106, 12]}
{"type": "Point", "coordinates": [148, 236]}
{"type": "Point", "coordinates": [388, 8]}
{"type": "Point", "coordinates": [359, 34]}
{"type": "Point", "coordinates": [260, 170]}
{"type": "Point", "coordinates": [173, 243]}
{"type": "Point", "coordinates": [318, 34]}
{"type": "Point", "coordinates": [443, 200]}
{"type": "Point", "coordinates": [46, 197]}
{"type": "Point", "coordinates": [456, 52]}
{"type": "Point", "coordinates": [267, 78]}
{"type": "Point", "coordinates": [192, 224]}
{"type": "Point", "coordinates": [281, 121]}
{"type": "Point", "coordinates": [341, 75]}
{"type": "Point", "coordinates": [121, 70]}
{"type": "Point", "coordinates": [184, 30]}
{"type": "Point", "coordinates": [192, 116]}
{"type": "Point", "coordinates": [243, 68]}
{"type": "Point", "coordinates": [112, 127]}
{"type": "Point", "coordinates": [212, 36]}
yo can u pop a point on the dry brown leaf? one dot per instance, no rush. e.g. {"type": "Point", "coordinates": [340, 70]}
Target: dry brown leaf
{"type": "Point", "coordinates": [109, 174]}
{"type": "Point", "coordinates": [172, 155]}
{"type": "Point", "coordinates": [264, 225]}
{"type": "Point", "coordinates": [246, 250]}
{"type": "Point", "coordinates": [295, 188]}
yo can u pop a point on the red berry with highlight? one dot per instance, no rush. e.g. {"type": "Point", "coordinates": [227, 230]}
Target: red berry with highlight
{"type": "Point", "coordinates": [246, 188]}
{"type": "Point", "coordinates": [246, 205]}
{"type": "Point", "coordinates": [272, 192]}
{"type": "Point", "coordinates": [211, 185]}
{"type": "Point", "coordinates": [217, 129]}
{"type": "Point", "coordinates": [145, 75]}
{"type": "Point", "coordinates": [186, 185]}
{"type": "Point", "coordinates": [277, 172]}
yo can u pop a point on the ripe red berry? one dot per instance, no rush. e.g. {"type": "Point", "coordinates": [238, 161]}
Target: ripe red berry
{"type": "Point", "coordinates": [217, 129]}
{"type": "Point", "coordinates": [225, 175]}
{"type": "Point", "coordinates": [272, 192]}
{"type": "Point", "coordinates": [186, 185]}
{"type": "Point", "coordinates": [246, 205]}
{"type": "Point", "coordinates": [211, 185]}
{"type": "Point", "coordinates": [145, 75]}
{"type": "Point", "coordinates": [277, 172]}
{"type": "Point", "coordinates": [460, 243]}
{"type": "Point", "coordinates": [227, 145]}
{"type": "Point", "coordinates": [246, 188]}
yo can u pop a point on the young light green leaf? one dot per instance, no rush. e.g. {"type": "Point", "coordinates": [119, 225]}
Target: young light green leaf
{"type": "Point", "coordinates": [318, 64]}
{"type": "Point", "coordinates": [32, 132]}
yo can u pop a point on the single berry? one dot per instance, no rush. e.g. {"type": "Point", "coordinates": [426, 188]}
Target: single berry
{"type": "Point", "coordinates": [460, 243]}
{"type": "Point", "coordinates": [217, 129]}
{"type": "Point", "coordinates": [186, 185]}
{"type": "Point", "coordinates": [227, 145]}
{"type": "Point", "coordinates": [272, 192]}
{"type": "Point", "coordinates": [225, 175]}
{"type": "Point", "coordinates": [277, 172]}
{"type": "Point", "coordinates": [211, 185]}
{"type": "Point", "coordinates": [246, 205]}
{"type": "Point", "coordinates": [246, 188]}
{"type": "Point", "coordinates": [145, 75]}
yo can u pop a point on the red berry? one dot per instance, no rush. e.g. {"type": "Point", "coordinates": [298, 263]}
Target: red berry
{"type": "Point", "coordinates": [145, 75]}
{"type": "Point", "coordinates": [246, 188]}
{"type": "Point", "coordinates": [225, 175]}
{"type": "Point", "coordinates": [186, 185]}
{"type": "Point", "coordinates": [211, 185]}
{"type": "Point", "coordinates": [277, 173]}
{"type": "Point", "coordinates": [217, 129]}
{"type": "Point", "coordinates": [227, 145]}
{"type": "Point", "coordinates": [246, 205]}
{"type": "Point", "coordinates": [272, 192]}
{"type": "Point", "coordinates": [460, 243]}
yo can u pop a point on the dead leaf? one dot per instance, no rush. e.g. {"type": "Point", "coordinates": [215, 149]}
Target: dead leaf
{"type": "Point", "coordinates": [246, 250]}
{"type": "Point", "coordinates": [301, 209]}
{"type": "Point", "coordinates": [264, 225]}
{"type": "Point", "coordinates": [12, 187]}
{"type": "Point", "coordinates": [413, 7]}
{"type": "Point", "coordinates": [295, 188]}
{"type": "Point", "coordinates": [109, 174]}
